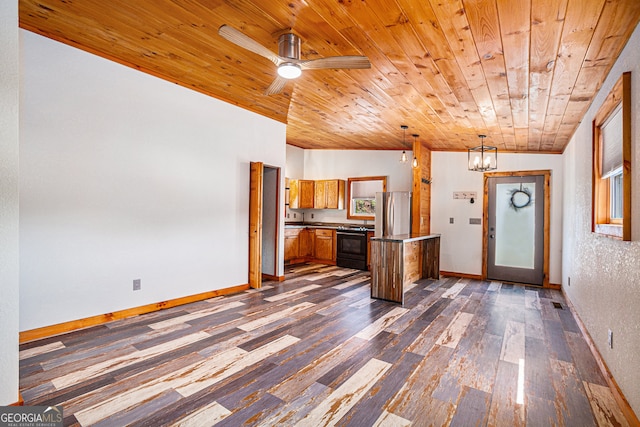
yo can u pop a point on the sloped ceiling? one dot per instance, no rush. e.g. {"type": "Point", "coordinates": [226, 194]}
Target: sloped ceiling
{"type": "Point", "coordinates": [521, 71]}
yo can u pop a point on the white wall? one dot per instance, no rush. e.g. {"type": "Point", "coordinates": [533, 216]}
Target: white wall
{"type": "Point", "coordinates": [605, 273]}
{"type": "Point", "coordinates": [9, 202]}
{"type": "Point", "coordinates": [295, 163]}
{"type": "Point", "coordinates": [461, 243]}
{"type": "Point", "coordinates": [344, 164]}
{"type": "Point", "coordinates": [126, 176]}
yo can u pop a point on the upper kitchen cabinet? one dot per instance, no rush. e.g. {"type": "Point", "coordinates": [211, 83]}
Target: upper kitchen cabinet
{"type": "Point", "coordinates": [321, 194]}
{"type": "Point", "coordinates": [329, 194]}
{"type": "Point", "coordinates": [301, 194]}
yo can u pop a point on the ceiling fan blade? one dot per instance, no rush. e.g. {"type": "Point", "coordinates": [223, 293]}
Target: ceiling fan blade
{"type": "Point", "coordinates": [336, 62]}
{"type": "Point", "coordinates": [276, 86]}
{"type": "Point", "coordinates": [246, 42]}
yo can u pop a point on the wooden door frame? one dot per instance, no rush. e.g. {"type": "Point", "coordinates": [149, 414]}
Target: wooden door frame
{"type": "Point", "coordinates": [547, 217]}
{"type": "Point", "coordinates": [256, 176]}
{"type": "Point", "coordinates": [276, 225]}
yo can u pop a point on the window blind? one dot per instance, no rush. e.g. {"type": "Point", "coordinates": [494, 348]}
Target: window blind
{"type": "Point", "coordinates": [612, 143]}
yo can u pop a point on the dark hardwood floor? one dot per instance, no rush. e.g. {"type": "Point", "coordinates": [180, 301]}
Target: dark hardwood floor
{"type": "Point", "coordinates": [316, 350]}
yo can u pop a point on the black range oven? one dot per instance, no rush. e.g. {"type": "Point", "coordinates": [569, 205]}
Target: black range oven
{"type": "Point", "coordinates": [352, 248]}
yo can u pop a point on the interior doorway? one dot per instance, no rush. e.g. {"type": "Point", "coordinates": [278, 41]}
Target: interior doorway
{"type": "Point", "coordinates": [516, 230]}
{"type": "Point", "coordinates": [270, 221]}
{"type": "Point", "coordinates": [264, 213]}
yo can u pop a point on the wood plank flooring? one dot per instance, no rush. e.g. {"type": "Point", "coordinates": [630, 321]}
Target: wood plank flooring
{"type": "Point", "coordinates": [316, 350]}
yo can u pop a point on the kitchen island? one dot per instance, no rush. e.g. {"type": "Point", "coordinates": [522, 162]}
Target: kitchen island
{"type": "Point", "coordinates": [397, 261]}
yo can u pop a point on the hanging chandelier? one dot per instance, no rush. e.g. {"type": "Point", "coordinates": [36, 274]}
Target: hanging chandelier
{"type": "Point", "coordinates": [483, 157]}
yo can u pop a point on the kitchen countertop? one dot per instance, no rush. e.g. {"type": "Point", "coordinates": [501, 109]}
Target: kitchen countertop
{"type": "Point", "coordinates": [405, 237]}
{"type": "Point", "coordinates": [327, 225]}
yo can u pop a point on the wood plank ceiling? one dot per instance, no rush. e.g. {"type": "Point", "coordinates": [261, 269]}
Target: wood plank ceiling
{"type": "Point", "coordinates": [521, 71]}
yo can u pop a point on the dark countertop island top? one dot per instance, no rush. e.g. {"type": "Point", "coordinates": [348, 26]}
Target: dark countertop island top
{"type": "Point", "coordinates": [327, 225]}
{"type": "Point", "coordinates": [405, 237]}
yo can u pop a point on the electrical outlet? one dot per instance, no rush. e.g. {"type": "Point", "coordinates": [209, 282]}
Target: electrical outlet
{"type": "Point", "coordinates": [295, 216]}
{"type": "Point", "coordinates": [136, 284]}
{"type": "Point", "coordinates": [450, 220]}
{"type": "Point", "coordinates": [311, 216]}
{"type": "Point", "coordinates": [288, 215]}
{"type": "Point", "coordinates": [610, 339]}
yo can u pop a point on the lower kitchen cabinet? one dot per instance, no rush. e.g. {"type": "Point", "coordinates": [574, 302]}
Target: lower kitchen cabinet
{"type": "Point", "coordinates": [291, 243]}
{"type": "Point", "coordinates": [310, 245]}
{"type": "Point", "coordinates": [325, 245]}
{"type": "Point", "coordinates": [307, 238]}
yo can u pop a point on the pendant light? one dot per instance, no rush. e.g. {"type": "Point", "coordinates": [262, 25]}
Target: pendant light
{"type": "Point", "coordinates": [403, 157]}
{"type": "Point", "coordinates": [483, 157]}
{"type": "Point", "coordinates": [415, 159]}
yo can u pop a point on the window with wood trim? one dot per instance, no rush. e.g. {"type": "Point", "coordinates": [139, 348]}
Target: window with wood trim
{"type": "Point", "coordinates": [612, 163]}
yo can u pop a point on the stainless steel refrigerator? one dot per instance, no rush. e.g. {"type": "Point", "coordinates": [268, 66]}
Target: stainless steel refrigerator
{"type": "Point", "coordinates": [393, 213]}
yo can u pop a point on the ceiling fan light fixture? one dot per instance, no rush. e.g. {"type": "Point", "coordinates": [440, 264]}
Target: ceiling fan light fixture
{"type": "Point", "coordinates": [288, 62]}
{"type": "Point", "coordinates": [289, 70]}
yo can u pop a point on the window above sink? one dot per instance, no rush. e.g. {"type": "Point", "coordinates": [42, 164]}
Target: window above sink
{"type": "Point", "coordinates": [361, 196]}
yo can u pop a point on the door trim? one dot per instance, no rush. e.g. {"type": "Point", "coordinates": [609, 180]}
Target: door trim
{"type": "Point", "coordinates": [256, 173]}
{"type": "Point", "coordinates": [547, 215]}
{"type": "Point", "coordinates": [275, 225]}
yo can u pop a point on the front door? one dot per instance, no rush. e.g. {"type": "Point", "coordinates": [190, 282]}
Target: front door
{"type": "Point", "coordinates": [515, 229]}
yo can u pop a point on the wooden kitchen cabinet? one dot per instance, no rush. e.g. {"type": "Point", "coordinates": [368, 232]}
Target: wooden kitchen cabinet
{"type": "Point", "coordinates": [325, 245]}
{"type": "Point", "coordinates": [291, 243]}
{"type": "Point", "coordinates": [306, 194]}
{"type": "Point", "coordinates": [310, 245]}
{"type": "Point", "coordinates": [329, 194]}
{"type": "Point", "coordinates": [301, 193]}
{"type": "Point", "coordinates": [320, 195]}
{"type": "Point", "coordinates": [307, 243]}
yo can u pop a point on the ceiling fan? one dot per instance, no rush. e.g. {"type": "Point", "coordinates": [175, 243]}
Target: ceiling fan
{"type": "Point", "coordinates": [288, 61]}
